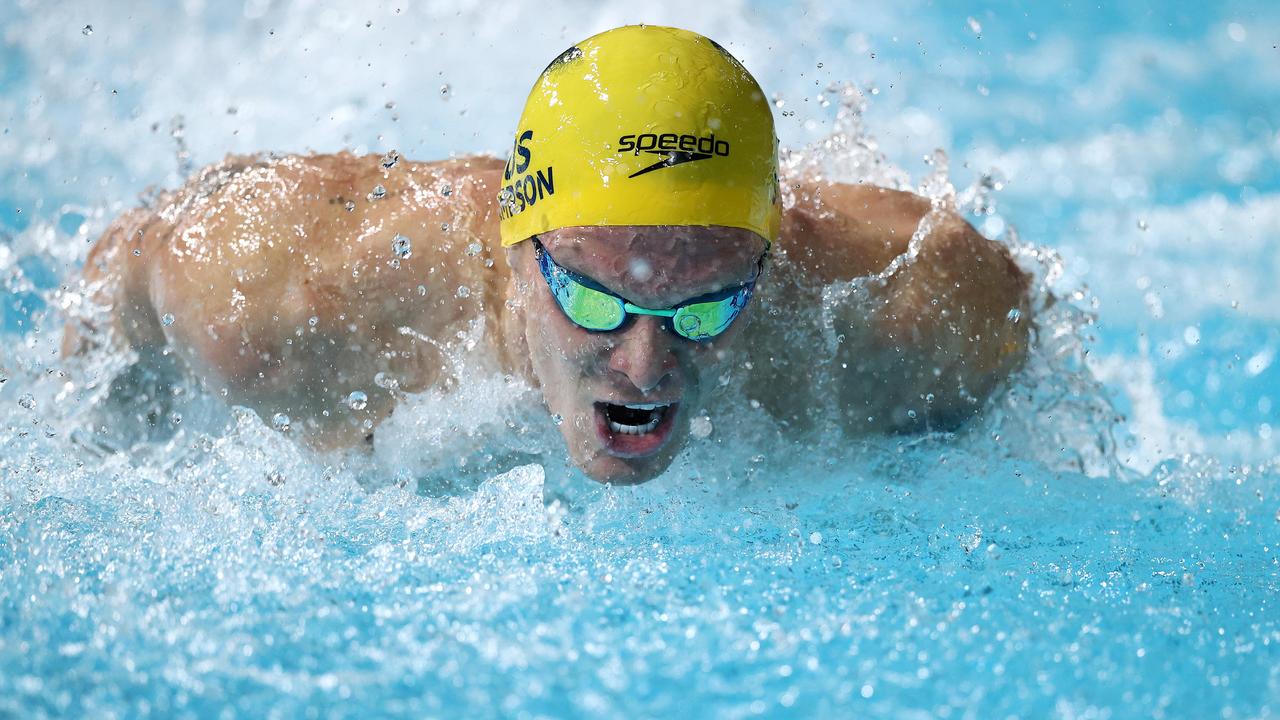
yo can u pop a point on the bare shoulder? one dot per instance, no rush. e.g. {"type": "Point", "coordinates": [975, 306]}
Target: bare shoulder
{"type": "Point", "coordinates": [924, 346]}
{"type": "Point", "coordinates": [839, 230]}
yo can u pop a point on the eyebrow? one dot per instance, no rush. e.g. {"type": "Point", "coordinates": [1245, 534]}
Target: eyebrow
{"type": "Point", "coordinates": [590, 282]}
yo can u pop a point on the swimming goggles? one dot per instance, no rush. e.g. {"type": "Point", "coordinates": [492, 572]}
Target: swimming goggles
{"type": "Point", "coordinates": [592, 307]}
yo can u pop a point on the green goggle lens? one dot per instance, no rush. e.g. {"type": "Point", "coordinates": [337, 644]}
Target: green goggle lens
{"type": "Point", "coordinates": [594, 308]}
{"type": "Point", "coordinates": [589, 308]}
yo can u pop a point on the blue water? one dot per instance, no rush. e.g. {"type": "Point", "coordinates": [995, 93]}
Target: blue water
{"type": "Point", "coordinates": [1101, 544]}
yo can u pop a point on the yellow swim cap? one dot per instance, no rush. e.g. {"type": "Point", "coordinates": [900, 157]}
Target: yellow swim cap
{"type": "Point", "coordinates": [643, 125]}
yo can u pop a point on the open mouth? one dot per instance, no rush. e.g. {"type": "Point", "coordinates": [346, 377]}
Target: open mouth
{"type": "Point", "coordinates": [634, 429]}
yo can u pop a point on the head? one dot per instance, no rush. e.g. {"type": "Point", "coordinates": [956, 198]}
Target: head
{"type": "Point", "coordinates": [645, 168]}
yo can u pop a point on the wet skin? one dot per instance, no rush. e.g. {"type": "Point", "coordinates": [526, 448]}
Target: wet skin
{"type": "Point", "coordinates": [286, 296]}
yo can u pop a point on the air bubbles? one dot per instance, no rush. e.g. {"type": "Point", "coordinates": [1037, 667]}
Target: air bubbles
{"type": "Point", "coordinates": [357, 400]}
{"type": "Point", "coordinates": [463, 291]}
{"type": "Point", "coordinates": [281, 422]}
{"type": "Point", "coordinates": [446, 189]}
{"type": "Point", "coordinates": [815, 538]}
{"type": "Point", "coordinates": [166, 319]}
{"type": "Point", "coordinates": [422, 291]}
{"type": "Point", "coordinates": [474, 249]}
{"type": "Point", "coordinates": [386, 382]}
{"type": "Point", "coordinates": [350, 205]}
{"type": "Point", "coordinates": [275, 478]}
{"type": "Point", "coordinates": [1014, 315]}
{"type": "Point", "coordinates": [445, 91]}
{"type": "Point", "coordinates": [444, 227]}
{"type": "Point", "coordinates": [27, 401]}
{"type": "Point", "coordinates": [557, 419]}
{"type": "Point", "coordinates": [378, 193]}
{"type": "Point", "coordinates": [313, 321]}
{"type": "Point", "coordinates": [974, 25]}
{"type": "Point", "coordinates": [87, 30]}
{"type": "Point", "coordinates": [401, 246]}
{"type": "Point", "coordinates": [390, 159]}
{"type": "Point", "coordinates": [1142, 224]}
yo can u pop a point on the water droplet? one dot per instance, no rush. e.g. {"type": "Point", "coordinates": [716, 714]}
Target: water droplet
{"type": "Point", "coordinates": [313, 321]}
{"type": "Point", "coordinates": [928, 398]}
{"type": "Point", "coordinates": [444, 226]}
{"type": "Point", "coordinates": [385, 381]}
{"type": "Point", "coordinates": [357, 400]}
{"type": "Point", "coordinates": [445, 91]}
{"type": "Point", "coordinates": [87, 30]}
{"type": "Point", "coordinates": [640, 269]}
{"type": "Point", "coordinates": [815, 538]}
{"type": "Point", "coordinates": [819, 66]}
{"type": "Point", "coordinates": [422, 291]}
{"type": "Point", "coordinates": [473, 249]}
{"type": "Point", "coordinates": [350, 206]}
{"type": "Point", "coordinates": [401, 246]}
{"type": "Point", "coordinates": [280, 421]}
{"type": "Point", "coordinates": [378, 193]}
{"type": "Point", "coordinates": [137, 253]}
{"type": "Point", "coordinates": [701, 427]}
{"type": "Point", "coordinates": [390, 159]}
{"type": "Point", "coordinates": [27, 401]}
{"type": "Point", "coordinates": [463, 291]}
{"type": "Point", "coordinates": [166, 319]}
{"type": "Point", "coordinates": [557, 419]}
{"type": "Point", "coordinates": [1014, 315]}
{"type": "Point", "coordinates": [911, 414]}
{"type": "Point", "coordinates": [446, 189]}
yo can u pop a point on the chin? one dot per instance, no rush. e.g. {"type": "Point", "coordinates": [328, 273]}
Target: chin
{"type": "Point", "coordinates": [605, 468]}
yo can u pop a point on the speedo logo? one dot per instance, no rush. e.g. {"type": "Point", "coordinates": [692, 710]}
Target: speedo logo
{"type": "Point", "coordinates": [675, 149]}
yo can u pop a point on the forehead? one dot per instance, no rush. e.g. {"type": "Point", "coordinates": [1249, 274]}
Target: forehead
{"type": "Point", "coordinates": [663, 263]}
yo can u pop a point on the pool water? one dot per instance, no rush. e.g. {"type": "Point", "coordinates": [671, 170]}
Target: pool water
{"type": "Point", "coordinates": [1101, 543]}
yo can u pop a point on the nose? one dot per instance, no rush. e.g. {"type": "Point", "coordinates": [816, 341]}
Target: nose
{"type": "Point", "coordinates": [646, 354]}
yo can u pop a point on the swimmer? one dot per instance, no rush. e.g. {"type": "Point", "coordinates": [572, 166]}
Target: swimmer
{"type": "Point", "coordinates": [631, 249]}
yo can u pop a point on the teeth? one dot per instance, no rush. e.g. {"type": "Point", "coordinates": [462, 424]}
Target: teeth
{"type": "Point", "coordinates": [635, 429]}
{"type": "Point", "coordinates": [645, 406]}
{"type": "Point", "coordinates": [658, 410]}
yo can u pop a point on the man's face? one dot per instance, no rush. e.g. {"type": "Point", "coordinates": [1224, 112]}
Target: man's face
{"type": "Point", "coordinates": [623, 399]}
